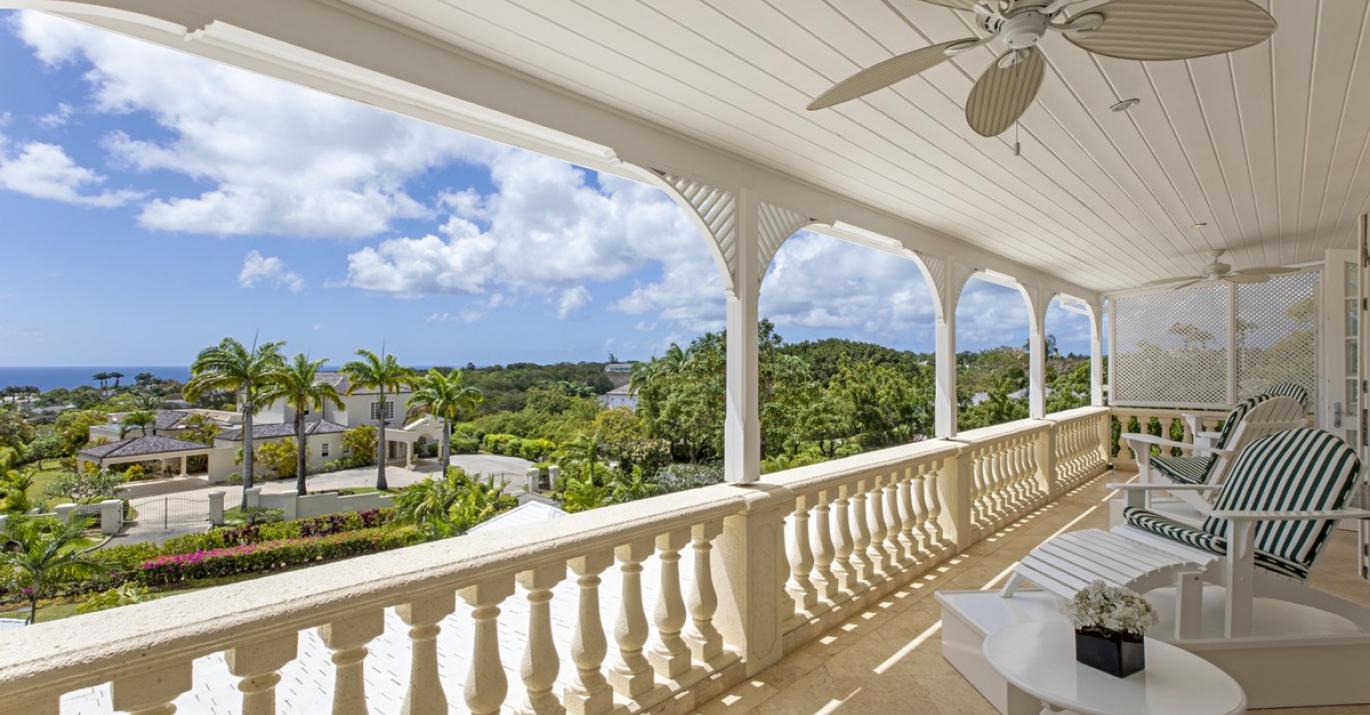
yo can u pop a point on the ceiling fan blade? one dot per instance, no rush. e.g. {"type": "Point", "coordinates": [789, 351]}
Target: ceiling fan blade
{"type": "Point", "coordinates": [1171, 282]}
{"type": "Point", "coordinates": [1185, 283]}
{"type": "Point", "coordinates": [954, 4]}
{"type": "Point", "coordinates": [884, 74]}
{"type": "Point", "coordinates": [1002, 94]}
{"type": "Point", "coordinates": [1174, 29]}
{"type": "Point", "coordinates": [1247, 277]}
{"type": "Point", "coordinates": [1266, 271]}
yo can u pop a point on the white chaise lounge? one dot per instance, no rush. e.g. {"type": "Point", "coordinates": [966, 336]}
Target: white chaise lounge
{"type": "Point", "coordinates": [1270, 521]}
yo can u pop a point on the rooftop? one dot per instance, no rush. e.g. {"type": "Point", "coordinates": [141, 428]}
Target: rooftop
{"type": "Point", "coordinates": [138, 446]}
{"type": "Point", "coordinates": [282, 429]}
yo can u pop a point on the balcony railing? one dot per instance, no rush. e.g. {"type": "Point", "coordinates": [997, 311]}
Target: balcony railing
{"type": "Point", "coordinates": [745, 574]}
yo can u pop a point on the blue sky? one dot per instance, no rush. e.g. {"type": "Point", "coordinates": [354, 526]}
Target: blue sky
{"type": "Point", "coordinates": [154, 202]}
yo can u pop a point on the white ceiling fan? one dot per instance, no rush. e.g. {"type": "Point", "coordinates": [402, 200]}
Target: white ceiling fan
{"type": "Point", "coordinates": [1216, 270]}
{"type": "Point", "coordinates": [1126, 29]}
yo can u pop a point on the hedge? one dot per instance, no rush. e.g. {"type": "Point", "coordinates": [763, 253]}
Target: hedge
{"type": "Point", "coordinates": [269, 555]}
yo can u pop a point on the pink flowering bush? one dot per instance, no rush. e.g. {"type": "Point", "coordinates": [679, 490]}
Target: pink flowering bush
{"type": "Point", "coordinates": [270, 555]}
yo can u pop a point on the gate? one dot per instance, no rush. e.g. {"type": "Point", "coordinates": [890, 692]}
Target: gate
{"type": "Point", "coordinates": [167, 511]}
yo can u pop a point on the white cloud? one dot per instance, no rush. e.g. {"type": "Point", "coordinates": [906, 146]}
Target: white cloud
{"type": "Point", "coordinates": [45, 171]}
{"type": "Point", "coordinates": [990, 315]}
{"type": "Point", "coordinates": [58, 117]}
{"type": "Point", "coordinates": [546, 230]}
{"type": "Point", "coordinates": [572, 299]}
{"type": "Point", "coordinates": [467, 315]}
{"type": "Point", "coordinates": [821, 282]}
{"type": "Point", "coordinates": [269, 270]}
{"type": "Point", "coordinates": [280, 158]}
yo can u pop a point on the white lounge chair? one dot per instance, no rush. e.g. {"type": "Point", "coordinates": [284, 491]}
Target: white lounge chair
{"type": "Point", "coordinates": [1253, 418]}
{"type": "Point", "coordinates": [1205, 440]}
{"type": "Point", "coordinates": [1269, 523]}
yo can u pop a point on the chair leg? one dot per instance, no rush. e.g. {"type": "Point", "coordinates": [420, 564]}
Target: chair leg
{"type": "Point", "coordinates": [1189, 601]}
{"type": "Point", "coordinates": [1240, 567]}
{"type": "Point", "coordinates": [1015, 580]}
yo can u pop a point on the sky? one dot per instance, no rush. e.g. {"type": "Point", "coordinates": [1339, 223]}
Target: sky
{"type": "Point", "coordinates": [153, 202]}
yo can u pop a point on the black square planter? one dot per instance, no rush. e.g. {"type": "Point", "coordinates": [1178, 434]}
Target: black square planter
{"type": "Point", "coordinates": [1117, 653]}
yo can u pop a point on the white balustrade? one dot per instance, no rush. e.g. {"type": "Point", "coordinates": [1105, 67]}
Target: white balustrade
{"type": "Point", "coordinates": [854, 528]}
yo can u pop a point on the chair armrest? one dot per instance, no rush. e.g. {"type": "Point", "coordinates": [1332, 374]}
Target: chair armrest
{"type": "Point", "coordinates": [1209, 435]}
{"type": "Point", "coordinates": [1152, 439]}
{"type": "Point", "coordinates": [1138, 487]}
{"type": "Point", "coordinates": [1243, 515]}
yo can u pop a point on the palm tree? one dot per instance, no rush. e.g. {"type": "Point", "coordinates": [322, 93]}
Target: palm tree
{"type": "Point", "coordinates": [380, 373]}
{"type": "Point", "coordinates": [146, 400]}
{"type": "Point", "coordinates": [116, 377]}
{"type": "Point", "coordinates": [232, 367]}
{"type": "Point", "coordinates": [446, 397]}
{"type": "Point", "coordinates": [140, 418]}
{"type": "Point", "coordinates": [42, 552]}
{"type": "Point", "coordinates": [299, 386]}
{"type": "Point", "coordinates": [102, 378]}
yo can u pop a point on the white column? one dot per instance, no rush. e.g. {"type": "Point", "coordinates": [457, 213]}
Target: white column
{"type": "Point", "coordinates": [1096, 354]}
{"type": "Point", "coordinates": [424, 617]}
{"type": "Point", "coordinates": [742, 423]}
{"type": "Point", "coordinates": [347, 638]}
{"type": "Point", "coordinates": [590, 693]}
{"type": "Point", "coordinates": [486, 684]}
{"type": "Point", "coordinates": [945, 400]}
{"type": "Point", "coordinates": [540, 662]}
{"type": "Point", "coordinates": [1037, 354]}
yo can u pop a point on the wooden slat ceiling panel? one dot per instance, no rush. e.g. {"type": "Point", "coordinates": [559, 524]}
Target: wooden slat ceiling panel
{"type": "Point", "coordinates": [1268, 146]}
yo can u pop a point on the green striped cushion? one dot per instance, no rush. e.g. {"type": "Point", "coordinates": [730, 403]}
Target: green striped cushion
{"type": "Point", "coordinates": [1294, 470]}
{"type": "Point", "coordinates": [1234, 418]}
{"type": "Point", "coordinates": [1289, 389]}
{"type": "Point", "coordinates": [1185, 470]}
{"type": "Point", "coordinates": [1188, 535]}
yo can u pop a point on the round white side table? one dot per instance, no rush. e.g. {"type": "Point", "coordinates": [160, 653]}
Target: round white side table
{"type": "Point", "coordinates": [1039, 660]}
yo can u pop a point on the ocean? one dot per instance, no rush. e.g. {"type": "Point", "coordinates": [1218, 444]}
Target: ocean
{"type": "Point", "coordinates": [46, 378]}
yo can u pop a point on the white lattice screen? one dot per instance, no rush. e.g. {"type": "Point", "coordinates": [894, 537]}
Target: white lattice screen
{"type": "Point", "coordinates": [1277, 334]}
{"type": "Point", "coordinates": [1211, 344]}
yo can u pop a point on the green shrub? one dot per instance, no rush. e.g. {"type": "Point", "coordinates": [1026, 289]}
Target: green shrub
{"type": "Point", "coordinates": [536, 450]}
{"type": "Point", "coordinates": [500, 443]}
{"type": "Point", "coordinates": [122, 595]}
{"type": "Point", "coordinates": [270, 555]}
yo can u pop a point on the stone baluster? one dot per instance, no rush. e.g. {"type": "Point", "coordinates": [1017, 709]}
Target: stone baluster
{"type": "Point", "coordinates": [842, 541]}
{"type": "Point", "coordinates": [590, 694]}
{"type": "Point", "coordinates": [486, 684]}
{"type": "Point", "coordinates": [151, 692]}
{"type": "Point", "coordinates": [670, 655]}
{"type": "Point", "coordinates": [425, 695]}
{"type": "Point", "coordinates": [894, 520]}
{"type": "Point", "coordinates": [258, 667]}
{"type": "Point", "coordinates": [911, 534]}
{"type": "Point", "coordinates": [706, 643]}
{"type": "Point", "coordinates": [800, 585]}
{"type": "Point", "coordinates": [861, 535]}
{"type": "Point", "coordinates": [347, 638]}
{"type": "Point", "coordinates": [540, 662]}
{"type": "Point", "coordinates": [934, 501]}
{"type": "Point", "coordinates": [977, 487]}
{"type": "Point", "coordinates": [823, 552]}
{"type": "Point", "coordinates": [632, 675]}
{"type": "Point", "coordinates": [880, 558]}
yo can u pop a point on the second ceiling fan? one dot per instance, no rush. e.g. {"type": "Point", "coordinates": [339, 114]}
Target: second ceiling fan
{"type": "Point", "coordinates": [1125, 29]}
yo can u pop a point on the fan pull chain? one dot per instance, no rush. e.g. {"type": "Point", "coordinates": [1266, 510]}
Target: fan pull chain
{"type": "Point", "coordinates": [1017, 146]}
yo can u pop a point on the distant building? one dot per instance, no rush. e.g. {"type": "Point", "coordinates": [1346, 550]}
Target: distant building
{"type": "Point", "coordinates": [619, 368]}
{"type": "Point", "coordinates": [621, 396]}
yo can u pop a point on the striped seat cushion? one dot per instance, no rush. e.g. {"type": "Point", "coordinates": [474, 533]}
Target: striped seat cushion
{"type": "Point", "coordinates": [1294, 470]}
{"type": "Point", "coordinates": [1185, 534]}
{"type": "Point", "coordinates": [1289, 389]}
{"type": "Point", "coordinates": [1185, 470]}
{"type": "Point", "coordinates": [1234, 418]}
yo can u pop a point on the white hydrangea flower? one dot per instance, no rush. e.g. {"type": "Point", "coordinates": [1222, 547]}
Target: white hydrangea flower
{"type": "Point", "coordinates": [1105, 607]}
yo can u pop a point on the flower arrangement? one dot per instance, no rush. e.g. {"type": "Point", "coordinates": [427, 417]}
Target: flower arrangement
{"type": "Point", "coordinates": [1109, 608]}
{"type": "Point", "coordinates": [1109, 625]}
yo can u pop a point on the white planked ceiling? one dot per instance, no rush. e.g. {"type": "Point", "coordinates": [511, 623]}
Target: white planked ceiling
{"type": "Point", "coordinates": [1266, 145]}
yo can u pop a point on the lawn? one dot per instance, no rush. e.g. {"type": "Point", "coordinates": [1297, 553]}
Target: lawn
{"type": "Point", "coordinates": [43, 475]}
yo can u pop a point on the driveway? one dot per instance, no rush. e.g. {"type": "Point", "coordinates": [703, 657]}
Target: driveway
{"type": "Point", "coordinates": [164, 516]}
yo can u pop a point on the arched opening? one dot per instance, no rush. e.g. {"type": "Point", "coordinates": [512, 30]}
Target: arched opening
{"type": "Point", "coordinates": [1068, 334]}
{"type": "Point", "coordinates": [847, 345]}
{"type": "Point", "coordinates": [992, 359]}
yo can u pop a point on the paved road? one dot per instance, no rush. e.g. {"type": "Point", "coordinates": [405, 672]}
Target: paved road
{"type": "Point", "coordinates": [181, 506]}
{"type": "Point", "coordinates": [190, 507]}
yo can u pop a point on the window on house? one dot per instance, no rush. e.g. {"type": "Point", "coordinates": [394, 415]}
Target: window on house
{"type": "Point", "coordinates": [323, 449]}
{"type": "Point", "coordinates": [386, 409]}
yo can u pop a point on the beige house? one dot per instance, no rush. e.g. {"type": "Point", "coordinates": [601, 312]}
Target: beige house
{"type": "Point", "coordinates": [323, 440]}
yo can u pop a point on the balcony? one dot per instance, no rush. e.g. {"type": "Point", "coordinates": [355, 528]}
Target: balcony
{"type": "Point", "coordinates": [807, 590]}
